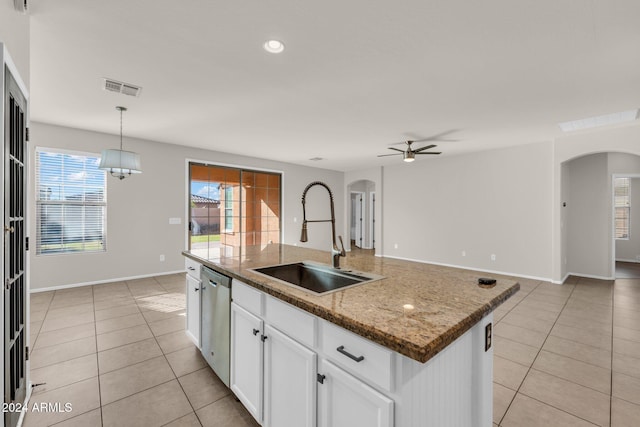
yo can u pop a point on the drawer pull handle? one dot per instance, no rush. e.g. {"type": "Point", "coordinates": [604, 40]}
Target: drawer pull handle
{"type": "Point", "coordinates": [192, 269]}
{"type": "Point", "coordinates": [349, 355]}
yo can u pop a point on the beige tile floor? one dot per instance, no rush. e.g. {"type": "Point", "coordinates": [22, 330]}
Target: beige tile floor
{"type": "Point", "coordinates": [118, 353]}
{"type": "Point", "coordinates": [568, 355]}
{"type": "Point", "coordinates": [564, 356]}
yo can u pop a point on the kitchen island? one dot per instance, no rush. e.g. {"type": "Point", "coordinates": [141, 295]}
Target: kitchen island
{"type": "Point", "coordinates": [428, 326]}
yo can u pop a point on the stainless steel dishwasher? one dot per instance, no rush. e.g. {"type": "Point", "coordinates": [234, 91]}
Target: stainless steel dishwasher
{"type": "Point", "coordinates": [215, 313]}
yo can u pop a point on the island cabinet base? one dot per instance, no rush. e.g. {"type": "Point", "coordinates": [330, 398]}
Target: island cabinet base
{"type": "Point", "coordinates": [292, 369]}
{"type": "Point", "coordinates": [453, 389]}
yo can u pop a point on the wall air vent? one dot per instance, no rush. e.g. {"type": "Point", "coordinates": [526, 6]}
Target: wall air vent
{"type": "Point", "coordinates": [119, 87]}
{"type": "Point", "coordinates": [20, 5]}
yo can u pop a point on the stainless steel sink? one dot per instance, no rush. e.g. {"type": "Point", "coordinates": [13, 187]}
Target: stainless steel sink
{"type": "Point", "coordinates": [317, 278]}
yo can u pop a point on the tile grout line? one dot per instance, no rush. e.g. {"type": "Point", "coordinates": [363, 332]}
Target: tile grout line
{"type": "Point", "coordinates": [539, 350]}
{"type": "Point", "coordinates": [95, 329]}
{"type": "Point", "coordinates": [170, 367]}
{"type": "Point", "coordinates": [613, 308]}
{"type": "Point", "coordinates": [499, 321]}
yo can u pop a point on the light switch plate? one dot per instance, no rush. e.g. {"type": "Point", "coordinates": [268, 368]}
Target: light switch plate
{"type": "Point", "coordinates": [175, 221]}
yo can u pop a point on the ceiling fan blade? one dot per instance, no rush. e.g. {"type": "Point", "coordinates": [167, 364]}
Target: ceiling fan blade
{"type": "Point", "coordinates": [385, 155]}
{"type": "Point", "coordinates": [436, 137]}
{"type": "Point", "coordinates": [429, 152]}
{"type": "Point", "coordinates": [424, 148]}
{"type": "Point", "coordinates": [395, 149]}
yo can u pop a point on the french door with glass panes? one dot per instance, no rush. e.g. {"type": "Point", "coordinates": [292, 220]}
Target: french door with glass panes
{"type": "Point", "coordinates": [15, 246]}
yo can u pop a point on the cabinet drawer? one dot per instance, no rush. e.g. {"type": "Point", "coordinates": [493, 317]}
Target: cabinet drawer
{"type": "Point", "coordinates": [192, 267]}
{"type": "Point", "coordinates": [294, 322]}
{"type": "Point", "coordinates": [247, 297]}
{"type": "Point", "coordinates": [362, 357]}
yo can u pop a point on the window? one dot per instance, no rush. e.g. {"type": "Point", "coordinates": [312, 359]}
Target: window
{"type": "Point", "coordinates": [228, 209]}
{"type": "Point", "coordinates": [71, 203]}
{"type": "Point", "coordinates": [622, 190]}
{"type": "Point", "coordinates": [232, 207]}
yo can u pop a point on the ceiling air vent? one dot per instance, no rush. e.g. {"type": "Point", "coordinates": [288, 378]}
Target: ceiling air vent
{"type": "Point", "coordinates": [20, 5]}
{"type": "Point", "coordinates": [119, 87]}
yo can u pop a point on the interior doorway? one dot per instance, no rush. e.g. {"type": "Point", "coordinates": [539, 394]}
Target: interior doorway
{"type": "Point", "coordinates": [357, 223]}
{"type": "Point", "coordinates": [361, 214]}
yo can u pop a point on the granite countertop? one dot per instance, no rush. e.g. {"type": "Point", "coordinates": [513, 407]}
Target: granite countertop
{"type": "Point", "coordinates": [446, 301]}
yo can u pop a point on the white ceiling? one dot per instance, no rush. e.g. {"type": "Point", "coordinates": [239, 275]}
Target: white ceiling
{"type": "Point", "coordinates": [356, 75]}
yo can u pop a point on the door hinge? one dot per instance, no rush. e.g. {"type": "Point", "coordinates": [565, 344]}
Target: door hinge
{"type": "Point", "coordinates": [321, 378]}
{"type": "Point", "coordinates": [26, 134]}
{"type": "Point", "coordinates": [26, 244]}
{"type": "Point", "coordinates": [26, 352]}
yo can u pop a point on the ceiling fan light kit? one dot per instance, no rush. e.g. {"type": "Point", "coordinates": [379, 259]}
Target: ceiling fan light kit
{"type": "Point", "coordinates": [409, 155]}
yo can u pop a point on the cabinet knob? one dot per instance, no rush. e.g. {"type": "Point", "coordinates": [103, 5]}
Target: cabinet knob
{"type": "Point", "coordinates": [196, 289]}
{"type": "Point", "coordinates": [255, 331]}
{"type": "Point", "coordinates": [320, 378]}
{"type": "Point", "coordinates": [263, 338]}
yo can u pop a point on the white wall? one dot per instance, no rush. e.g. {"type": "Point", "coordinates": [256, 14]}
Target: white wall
{"type": "Point", "coordinates": [589, 217]}
{"type": "Point", "coordinates": [622, 139]}
{"type": "Point", "coordinates": [139, 208]}
{"type": "Point", "coordinates": [492, 202]}
{"type": "Point", "coordinates": [14, 34]}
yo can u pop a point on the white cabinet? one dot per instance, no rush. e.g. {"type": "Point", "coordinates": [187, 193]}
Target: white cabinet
{"type": "Point", "coordinates": [344, 400]}
{"type": "Point", "coordinates": [194, 285]}
{"type": "Point", "coordinates": [275, 373]}
{"type": "Point", "coordinates": [289, 382]}
{"type": "Point", "coordinates": [246, 359]}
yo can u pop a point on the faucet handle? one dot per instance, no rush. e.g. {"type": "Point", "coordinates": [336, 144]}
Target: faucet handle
{"type": "Point", "coordinates": [342, 251]}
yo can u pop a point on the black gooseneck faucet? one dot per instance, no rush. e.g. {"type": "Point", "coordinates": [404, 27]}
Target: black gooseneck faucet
{"type": "Point", "coordinates": [335, 252]}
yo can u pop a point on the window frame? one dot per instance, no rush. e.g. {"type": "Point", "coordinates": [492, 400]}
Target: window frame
{"type": "Point", "coordinates": [39, 203]}
{"type": "Point", "coordinates": [627, 208]}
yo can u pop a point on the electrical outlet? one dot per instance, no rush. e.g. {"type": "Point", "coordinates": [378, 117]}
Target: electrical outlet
{"type": "Point", "coordinates": [488, 336]}
{"type": "Point", "coordinates": [464, 253]}
{"type": "Point", "coordinates": [161, 258]}
{"type": "Point", "coordinates": [638, 257]}
{"type": "Point", "coordinates": [493, 257]}
{"type": "Point", "coordinates": [295, 219]}
{"type": "Point", "coordinates": [395, 246]}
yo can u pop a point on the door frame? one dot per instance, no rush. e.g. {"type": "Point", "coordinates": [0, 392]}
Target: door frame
{"type": "Point", "coordinates": [613, 216]}
{"type": "Point", "coordinates": [8, 65]}
{"type": "Point", "coordinates": [363, 211]}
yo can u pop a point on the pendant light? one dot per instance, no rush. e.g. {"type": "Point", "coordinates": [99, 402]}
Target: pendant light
{"type": "Point", "coordinates": [120, 163]}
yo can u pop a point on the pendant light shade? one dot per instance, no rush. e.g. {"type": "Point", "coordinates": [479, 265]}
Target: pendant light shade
{"type": "Point", "coordinates": [120, 163]}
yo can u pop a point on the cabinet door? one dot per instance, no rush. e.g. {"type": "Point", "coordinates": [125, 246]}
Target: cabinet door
{"type": "Point", "coordinates": [289, 382]}
{"type": "Point", "coordinates": [193, 309]}
{"type": "Point", "coordinates": [344, 400]}
{"type": "Point", "coordinates": [246, 359]}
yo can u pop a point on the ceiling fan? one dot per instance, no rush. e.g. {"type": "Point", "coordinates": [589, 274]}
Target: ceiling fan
{"type": "Point", "coordinates": [409, 155]}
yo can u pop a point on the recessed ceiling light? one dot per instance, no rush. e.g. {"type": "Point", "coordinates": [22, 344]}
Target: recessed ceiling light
{"type": "Point", "coordinates": [592, 122]}
{"type": "Point", "coordinates": [273, 46]}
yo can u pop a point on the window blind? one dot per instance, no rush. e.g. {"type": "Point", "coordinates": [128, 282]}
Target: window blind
{"type": "Point", "coordinates": [622, 200]}
{"type": "Point", "coordinates": [71, 202]}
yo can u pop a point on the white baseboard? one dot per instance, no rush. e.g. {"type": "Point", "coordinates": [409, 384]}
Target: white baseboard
{"type": "Point", "coordinates": [629, 260]}
{"type": "Point", "coordinates": [591, 276]}
{"type": "Point", "coordinates": [99, 282]}
{"type": "Point", "coordinates": [561, 282]}
{"type": "Point", "coordinates": [464, 267]}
